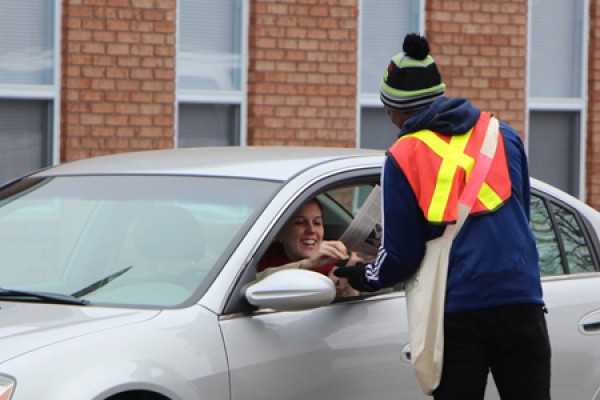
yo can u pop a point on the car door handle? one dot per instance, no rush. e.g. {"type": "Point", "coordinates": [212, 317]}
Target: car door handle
{"type": "Point", "coordinates": [590, 323]}
{"type": "Point", "coordinates": [405, 354]}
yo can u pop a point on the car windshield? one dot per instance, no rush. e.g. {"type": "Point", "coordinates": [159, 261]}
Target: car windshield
{"type": "Point", "coordinates": [154, 241]}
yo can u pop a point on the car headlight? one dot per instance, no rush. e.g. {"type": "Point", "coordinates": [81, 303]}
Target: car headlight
{"type": "Point", "coordinates": [7, 386]}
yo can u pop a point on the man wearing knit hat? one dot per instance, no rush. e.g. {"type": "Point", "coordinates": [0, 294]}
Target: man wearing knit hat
{"type": "Point", "coordinates": [494, 317]}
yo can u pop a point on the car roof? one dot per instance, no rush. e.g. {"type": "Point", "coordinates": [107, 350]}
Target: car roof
{"type": "Point", "coordinates": [264, 162]}
{"type": "Point", "coordinates": [254, 162]}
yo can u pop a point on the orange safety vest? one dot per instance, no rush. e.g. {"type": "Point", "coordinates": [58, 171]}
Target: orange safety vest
{"type": "Point", "coordinates": [437, 167]}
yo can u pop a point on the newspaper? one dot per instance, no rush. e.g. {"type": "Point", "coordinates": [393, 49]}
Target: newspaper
{"type": "Point", "coordinates": [364, 233]}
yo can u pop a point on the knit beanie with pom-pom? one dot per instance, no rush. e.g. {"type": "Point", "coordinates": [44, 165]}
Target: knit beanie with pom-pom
{"type": "Point", "coordinates": [412, 80]}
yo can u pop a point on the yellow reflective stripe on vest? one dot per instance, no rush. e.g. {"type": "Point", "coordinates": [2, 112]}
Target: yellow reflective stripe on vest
{"type": "Point", "coordinates": [488, 197]}
{"type": "Point", "coordinates": [453, 156]}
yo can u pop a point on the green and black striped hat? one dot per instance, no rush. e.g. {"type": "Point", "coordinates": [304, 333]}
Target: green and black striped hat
{"type": "Point", "coordinates": [412, 80]}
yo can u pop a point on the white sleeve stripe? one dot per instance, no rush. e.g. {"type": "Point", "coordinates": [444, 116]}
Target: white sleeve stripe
{"type": "Point", "coordinates": [372, 270]}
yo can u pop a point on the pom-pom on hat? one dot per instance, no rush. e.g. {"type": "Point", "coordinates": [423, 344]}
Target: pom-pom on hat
{"type": "Point", "coordinates": [412, 80]}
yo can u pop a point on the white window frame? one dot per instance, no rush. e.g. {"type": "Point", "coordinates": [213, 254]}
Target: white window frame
{"type": "Point", "coordinates": [549, 104]}
{"type": "Point", "coordinates": [50, 92]}
{"type": "Point", "coordinates": [219, 97]}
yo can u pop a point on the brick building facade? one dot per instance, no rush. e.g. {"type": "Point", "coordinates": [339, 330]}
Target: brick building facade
{"type": "Point", "coordinates": [118, 75]}
{"type": "Point", "coordinates": [303, 73]}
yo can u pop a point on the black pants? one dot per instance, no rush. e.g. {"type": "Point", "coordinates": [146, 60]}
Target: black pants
{"type": "Point", "coordinates": [511, 342]}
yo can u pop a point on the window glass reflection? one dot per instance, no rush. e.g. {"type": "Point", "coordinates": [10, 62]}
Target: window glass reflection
{"type": "Point", "coordinates": [545, 238]}
{"type": "Point", "coordinates": [576, 248]}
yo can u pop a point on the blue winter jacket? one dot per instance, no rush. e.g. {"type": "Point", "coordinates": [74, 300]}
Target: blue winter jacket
{"type": "Point", "coordinates": [494, 260]}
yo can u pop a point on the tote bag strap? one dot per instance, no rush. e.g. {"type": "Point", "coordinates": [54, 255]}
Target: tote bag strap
{"type": "Point", "coordinates": [480, 169]}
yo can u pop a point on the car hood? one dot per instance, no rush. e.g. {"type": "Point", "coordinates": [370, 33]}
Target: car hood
{"type": "Point", "coordinates": [27, 327]}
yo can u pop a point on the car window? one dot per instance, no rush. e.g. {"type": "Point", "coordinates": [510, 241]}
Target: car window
{"type": "Point", "coordinates": [579, 258]}
{"type": "Point", "coordinates": [545, 237]}
{"type": "Point", "coordinates": [344, 205]}
{"type": "Point", "coordinates": [124, 240]}
{"type": "Point", "coordinates": [351, 198]}
{"type": "Point", "coordinates": [561, 241]}
{"type": "Point", "coordinates": [340, 205]}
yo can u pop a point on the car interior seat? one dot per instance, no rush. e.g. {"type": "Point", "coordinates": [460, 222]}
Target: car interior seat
{"type": "Point", "coordinates": [168, 234]}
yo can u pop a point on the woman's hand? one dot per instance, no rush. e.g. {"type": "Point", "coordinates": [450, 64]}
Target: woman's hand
{"type": "Point", "coordinates": [354, 258]}
{"type": "Point", "coordinates": [342, 287]}
{"type": "Point", "coordinates": [329, 251]}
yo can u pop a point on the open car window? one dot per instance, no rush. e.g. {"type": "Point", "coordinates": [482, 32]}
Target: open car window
{"type": "Point", "coordinates": [340, 197]}
{"type": "Point", "coordinates": [340, 205]}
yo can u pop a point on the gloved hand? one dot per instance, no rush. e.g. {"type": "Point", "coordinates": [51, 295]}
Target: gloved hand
{"type": "Point", "coordinates": [356, 277]}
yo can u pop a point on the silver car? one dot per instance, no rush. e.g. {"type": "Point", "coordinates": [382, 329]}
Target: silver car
{"type": "Point", "coordinates": [134, 277]}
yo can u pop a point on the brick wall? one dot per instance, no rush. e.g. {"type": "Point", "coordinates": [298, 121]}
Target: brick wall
{"type": "Point", "coordinates": [480, 49]}
{"type": "Point", "coordinates": [118, 71]}
{"type": "Point", "coordinates": [593, 117]}
{"type": "Point", "coordinates": [118, 76]}
{"type": "Point", "coordinates": [302, 72]}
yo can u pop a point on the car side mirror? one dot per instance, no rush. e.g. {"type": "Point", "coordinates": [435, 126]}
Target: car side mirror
{"type": "Point", "coordinates": [291, 290]}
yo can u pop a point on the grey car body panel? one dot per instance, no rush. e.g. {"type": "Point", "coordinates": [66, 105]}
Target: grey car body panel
{"type": "Point", "coordinates": [177, 353]}
{"type": "Point", "coordinates": [278, 163]}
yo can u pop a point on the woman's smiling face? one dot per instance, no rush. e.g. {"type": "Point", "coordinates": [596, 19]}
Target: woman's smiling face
{"type": "Point", "coordinates": [302, 235]}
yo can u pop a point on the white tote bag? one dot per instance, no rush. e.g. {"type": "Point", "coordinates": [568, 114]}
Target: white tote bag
{"type": "Point", "coordinates": [426, 289]}
{"type": "Point", "coordinates": [425, 299]}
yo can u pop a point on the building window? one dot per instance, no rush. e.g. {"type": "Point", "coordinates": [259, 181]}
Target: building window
{"type": "Point", "coordinates": [211, 72]}
{"type": "Point", "coordinates": [28, 92]}
{"type": "Point", "coordinates": [554, 148]}
{"type": "Point", "coordinates": [557, 92]}
{"type": "Point", "coordinates": [208, 125]}
{"type": "Point", "coordinates": [396, 19]}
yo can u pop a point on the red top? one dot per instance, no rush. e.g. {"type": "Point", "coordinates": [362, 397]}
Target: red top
{"type": "Point", "coordinates": [275, 257]}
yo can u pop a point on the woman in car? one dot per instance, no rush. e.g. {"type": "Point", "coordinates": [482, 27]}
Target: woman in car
{"type": "Point", "coordinates": [300, 244]}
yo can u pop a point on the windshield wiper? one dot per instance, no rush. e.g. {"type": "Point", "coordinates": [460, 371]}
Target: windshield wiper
{"type": "Point", "coordinates": [100, 283]}
{"type": "Point", "coordinates": [57, 298]}
{"type": "Point", "coordinates": [54, 298]}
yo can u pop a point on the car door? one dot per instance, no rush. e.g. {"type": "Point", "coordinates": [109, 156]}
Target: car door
{"type": "Point", "coordinates": [571, 283]}
{"type": "Point", "coordinates": [348, 350]}
{"type": "Point", "coordinates": [355, 348]}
